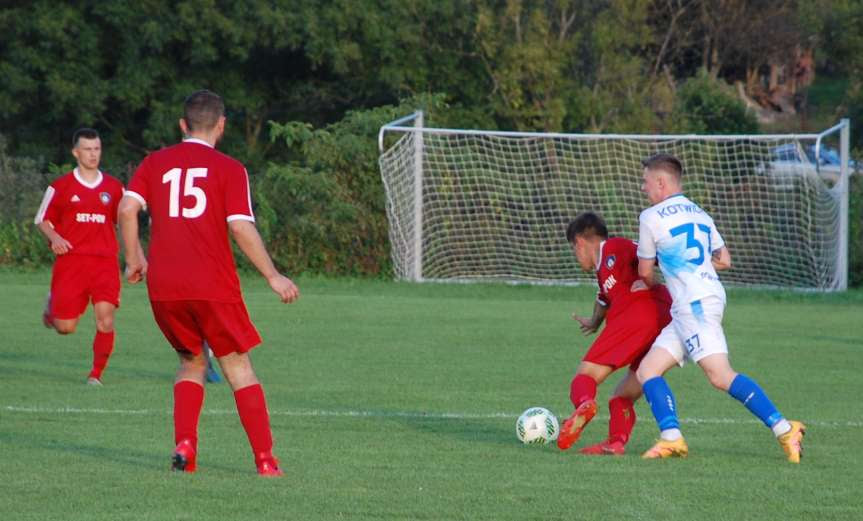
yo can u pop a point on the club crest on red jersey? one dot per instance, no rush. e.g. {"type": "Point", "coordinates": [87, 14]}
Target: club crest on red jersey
{"type": "Point", "coordinates": [609, 261]}
{"type": "Point", "coordinates": [105, 197]}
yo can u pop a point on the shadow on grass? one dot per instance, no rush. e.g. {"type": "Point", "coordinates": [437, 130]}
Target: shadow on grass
{"type": "Point", "coordinates": [126, 456]}
{"type": "Point", "coordinates": [487, 431]}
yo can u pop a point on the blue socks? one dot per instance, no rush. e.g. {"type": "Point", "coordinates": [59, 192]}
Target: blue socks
{"type": "Point", "coordinates": [662, 403]}
{"type": "Point", "coordinates": [747, 392]}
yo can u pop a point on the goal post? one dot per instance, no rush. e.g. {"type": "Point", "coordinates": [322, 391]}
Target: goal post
{"type": "Point", "coordinates": [474, 205]}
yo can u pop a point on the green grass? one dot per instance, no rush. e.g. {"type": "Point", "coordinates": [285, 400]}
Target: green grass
{"type": "Point", "coordinates": [361, 377]}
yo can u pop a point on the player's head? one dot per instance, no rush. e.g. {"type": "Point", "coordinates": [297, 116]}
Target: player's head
{"type": "Point", "coordinates": [87, 148]}
{"type": "Point", "coordinates": [203, 114]}
{"type": "Point", "coordinates": [662, 177]}
{"type": "Point", "coordinates": [584, 234]}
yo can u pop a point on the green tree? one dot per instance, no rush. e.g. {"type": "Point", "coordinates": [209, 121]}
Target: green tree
{"type": "Point", "coordinates": [706, 105]}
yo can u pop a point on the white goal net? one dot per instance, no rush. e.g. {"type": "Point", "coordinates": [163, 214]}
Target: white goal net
{"type": "Point", "coordinates": [480, 205]}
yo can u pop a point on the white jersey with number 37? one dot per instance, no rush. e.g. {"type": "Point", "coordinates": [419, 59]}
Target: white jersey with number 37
{"type": "Point", "coordinates": [682, 237]}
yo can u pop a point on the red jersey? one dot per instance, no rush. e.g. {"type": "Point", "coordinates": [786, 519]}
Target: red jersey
{"type": "Point", "coordinates": [192, 191]}
{"type": "Point", "coordinates": [617, 270]}
{"type": "Point", "coordinates": [85, 214]}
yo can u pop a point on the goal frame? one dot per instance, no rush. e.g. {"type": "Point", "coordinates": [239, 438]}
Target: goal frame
{"type": "Point", "coordinates": [414, 123]}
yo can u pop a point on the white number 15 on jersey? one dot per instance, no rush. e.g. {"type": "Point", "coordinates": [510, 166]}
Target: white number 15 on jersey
{"type": "Point", "coordinates": [189, 189]}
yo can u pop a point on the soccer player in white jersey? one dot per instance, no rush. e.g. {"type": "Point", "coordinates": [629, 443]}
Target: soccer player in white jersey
{"type": "Point", "coordinates": [682, 238]}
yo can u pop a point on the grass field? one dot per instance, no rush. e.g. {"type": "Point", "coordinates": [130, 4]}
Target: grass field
{"type": "Point", "coordinates": [397, 401]}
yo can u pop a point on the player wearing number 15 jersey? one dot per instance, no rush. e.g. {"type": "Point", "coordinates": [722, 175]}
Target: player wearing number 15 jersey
{"type": "Point", "coordinates": [195, 195]}
{"type": "Point", "coordinates": [683, 239]}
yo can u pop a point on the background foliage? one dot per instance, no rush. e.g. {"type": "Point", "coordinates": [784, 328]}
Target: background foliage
{"type": "Point", "coordinates": [309, 82]}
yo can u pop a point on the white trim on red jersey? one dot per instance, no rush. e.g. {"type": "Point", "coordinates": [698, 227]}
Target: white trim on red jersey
{"type": "Point", "coordinates": [81, 180]}
{"type": "Point", "coordinates": [599, 258]}
{"type": "Point", "coordinates": [46, 201]}
{"type": "Point", "coordinates": [240, 217]}
{"type": "Point", "coordinates": [136, 196]}
{"type": "Point", "coordinates": [249, 194]}
{"type": "Point", "coordinates": [198, 141]}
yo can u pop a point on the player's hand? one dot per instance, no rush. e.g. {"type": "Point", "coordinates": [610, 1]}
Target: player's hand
{"type": "Point", "coordinates": [638, 285]}
{"type": "Point", "coordinates": [59, 245]}
{"type": "Point", "coordinates": [136, 270]}
{"type": "Point", "coordinates": [585, 324]}
{"type": "Point", "coordinates": [284, 288]}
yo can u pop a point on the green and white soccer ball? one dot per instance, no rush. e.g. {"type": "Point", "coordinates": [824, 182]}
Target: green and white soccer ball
{"type": "Point", "coordinates": [537, 426]}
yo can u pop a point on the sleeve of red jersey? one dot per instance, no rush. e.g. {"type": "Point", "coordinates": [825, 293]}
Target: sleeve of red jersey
{"type": "Point", "coordinates": [138, 184]}
{"type": "Point", "coordinates": [49, 209]}
{"type": "Point", "coordinates": [601, 300]}
{"type": "Point", "coordinates": [238, 198]}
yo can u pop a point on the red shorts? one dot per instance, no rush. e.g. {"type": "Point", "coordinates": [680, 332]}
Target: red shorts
{"type": "Point", "coordinates": [628, 336]}
{"type": "Point", "coordinates": [77, 280]}
{"type": "Point", "coordinates": [186, 324]}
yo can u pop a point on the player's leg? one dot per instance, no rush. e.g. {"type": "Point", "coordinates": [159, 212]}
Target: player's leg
{"type": "Point", "coordinates": [65, 326]}
{"type": "Point", "coordinates": [69, 297]}
{"type": "Point", "coordinates": [582, 393]}
{"type": "Point", "coordinates": [621, 409]}
{"type": "Point", "coordinates": [747, 391]}
{"type": "Point", "coordinates": [188, 402]}
{"type": "Point", "coordinates": [103, 341]}
{"type": "Point", "coordinates": [177, 321]}
{"type": "Point", "coordinates": [665, 354]}
{"type": "Point", "coordinates": [104, 289]}
{"type": "Point", "coordinates": [47, 317]}
{"type": "Point", "coordinates": [710, 351]}
{"type": "Point", "coordinates": [252, 408]}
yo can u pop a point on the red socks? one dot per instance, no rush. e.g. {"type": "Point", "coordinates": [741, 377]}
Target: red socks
{"type": "Point", "coordinates": [622, 419]}
{"type": "Point", "coordinates": [252, 407]}
{"type": "Point", "coordinates": [583, 388]}
{"type": "Point", "coordinates": [103, 345]}
{"type": "Point", "coordinates": [188, 400]}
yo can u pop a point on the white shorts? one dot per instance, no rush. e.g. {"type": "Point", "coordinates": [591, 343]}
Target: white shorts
{"type": "Point", "coordinates": [695, 331]}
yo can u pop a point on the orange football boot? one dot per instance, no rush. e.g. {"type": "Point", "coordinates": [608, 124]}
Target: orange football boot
{"type": "Point", "coordinates": [573, 426]}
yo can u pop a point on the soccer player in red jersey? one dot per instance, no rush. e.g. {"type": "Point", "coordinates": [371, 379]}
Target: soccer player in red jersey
{"type": "Point", "coordinates": [78, 215]}
{"type": "Point", "coordinates": [634, 316]}
{"type": "Point", "coordinates": [195, 195]}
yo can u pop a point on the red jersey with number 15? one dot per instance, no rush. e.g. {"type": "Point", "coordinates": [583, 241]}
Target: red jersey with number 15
{"type": "Point", "coordinates": [192, 191]}
{"type": "Point", "coordinates": [617, 270]}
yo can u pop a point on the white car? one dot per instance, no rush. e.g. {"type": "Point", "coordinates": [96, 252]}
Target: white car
{"type": "Point", "coordinates": [793, 161]}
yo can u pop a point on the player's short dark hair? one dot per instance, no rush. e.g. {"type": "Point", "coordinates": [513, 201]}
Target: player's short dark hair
{"type": "Point", "coordinates": [84, 132]}
{"type": "Point", "coordinates": [202, 110]}
{"type": "Point", "coordinates": [666, 163]}
{"type": "Point", "coordinates": [586, 224]}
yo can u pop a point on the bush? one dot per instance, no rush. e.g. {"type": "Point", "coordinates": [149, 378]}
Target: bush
{"type": "Point", "coordinates": [705, 105]}
{"type": "Point", "coordinates": [325, 210]}
{"type": "Point", "coordinates": [22, 184]}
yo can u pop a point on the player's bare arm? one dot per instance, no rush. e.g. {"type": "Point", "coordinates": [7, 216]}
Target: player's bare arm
{"type": "Point", "coordinates": [645, 271]}
{"type": "Point", "coordinates": [591, 325]}
{"type": "Point", "coordinates": [721, 259]}
{"type": "Point", "coordinates": [249, 241]}
{"type": "Point", "coordinates": [136, 262]}
{"type": "Point", "coordinates": [59, 245]}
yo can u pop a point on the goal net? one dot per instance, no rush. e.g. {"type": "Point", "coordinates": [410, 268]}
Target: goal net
{"type": "Point", "coordinates": [479, 205]}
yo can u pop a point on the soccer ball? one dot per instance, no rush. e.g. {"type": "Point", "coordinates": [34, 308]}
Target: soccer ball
{"type": "Point", "coordinates": [537, 426]}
